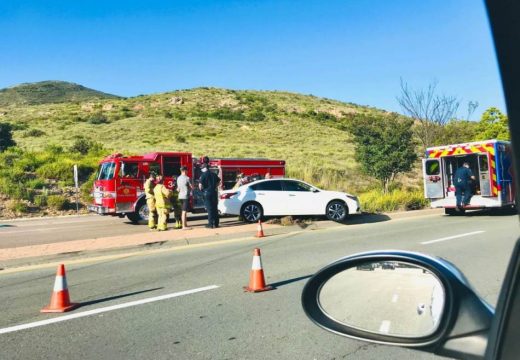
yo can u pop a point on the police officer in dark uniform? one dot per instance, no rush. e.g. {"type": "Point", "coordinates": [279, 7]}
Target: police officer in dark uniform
{"type": "Point", "coordinates": [463, 177]}
{"type": "Point", "coordinates": [209, 186]}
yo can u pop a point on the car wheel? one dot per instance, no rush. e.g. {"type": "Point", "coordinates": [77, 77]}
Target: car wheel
{"type": "Point", "coordinates": [140, 216]}
{"type": "Point", "coordinates": [450, 211]}
{"type": "Point", "coordinates": [251, 212]}
{"type": "Point", "coordinates": [336, 211]}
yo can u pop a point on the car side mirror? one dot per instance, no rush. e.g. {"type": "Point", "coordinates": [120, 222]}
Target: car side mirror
{"type": "Point", "coordinates": [400, 298]}
{"type": "Point", "coordinates": [314, 190]}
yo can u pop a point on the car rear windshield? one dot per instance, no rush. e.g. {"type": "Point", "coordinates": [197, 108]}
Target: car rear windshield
{"type": "Point", "coordinates": [106, 171]}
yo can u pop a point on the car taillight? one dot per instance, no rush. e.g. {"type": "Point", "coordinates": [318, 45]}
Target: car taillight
{"type": "Point", "coordinates": [227, 195]}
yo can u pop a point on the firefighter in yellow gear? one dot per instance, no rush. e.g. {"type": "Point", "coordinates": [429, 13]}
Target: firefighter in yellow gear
{"type": "Point", "coordinates": [162, 203]}
{"type": "Point", "coordinates": [149, 185]}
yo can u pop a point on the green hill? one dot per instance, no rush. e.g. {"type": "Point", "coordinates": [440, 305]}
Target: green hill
{"type": "Point", "coordinates": [307, 131]}
{"type": "Point", "coordinates": [48, 92]}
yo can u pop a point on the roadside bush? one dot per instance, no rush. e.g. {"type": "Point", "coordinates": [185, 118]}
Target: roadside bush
{"type": "Point", "coordinates": [40, 200]}
{"type": "Point", "coordinates": [375, 201]}
{"type": "Point", "coordinates": [17, 206]}
{"type": "Point", "coordinates": [58, 202]}
{"type": "Point", "coordinates": [59, 170]}
{"type": "Point", "coordinates": [35, 184]}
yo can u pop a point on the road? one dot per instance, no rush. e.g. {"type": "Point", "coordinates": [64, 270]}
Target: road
{"type": "Point", "coordinates": [204, 313]}
{"type": "Point", "coordinates": [18, 233]}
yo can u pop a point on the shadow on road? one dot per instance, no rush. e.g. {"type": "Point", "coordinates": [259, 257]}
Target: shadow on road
{"type": "Point", "coordinates": [488, 212]}
{"type": "Point", "coordinates": [366, 218]}
{"type": "Point", "coordinates": [289, 281]}
{"type": "Point", "coordinates": [97, 301]}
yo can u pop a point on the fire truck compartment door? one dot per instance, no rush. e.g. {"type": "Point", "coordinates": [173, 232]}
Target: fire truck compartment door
{"type": "Point", "coordinates": [484, 176]}
{"type": "Point", "coordinates": [433, 182]}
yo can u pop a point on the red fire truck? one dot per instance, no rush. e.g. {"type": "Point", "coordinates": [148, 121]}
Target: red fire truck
{"type": "Point", "coordinates": [118, 188]}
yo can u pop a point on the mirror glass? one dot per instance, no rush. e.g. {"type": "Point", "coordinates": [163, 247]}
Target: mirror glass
{"type": "Point", "coordinates": [389, 298]}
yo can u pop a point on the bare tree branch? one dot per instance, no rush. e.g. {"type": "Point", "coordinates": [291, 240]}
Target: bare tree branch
{"type": "Point", "coordinates": [430, 110]}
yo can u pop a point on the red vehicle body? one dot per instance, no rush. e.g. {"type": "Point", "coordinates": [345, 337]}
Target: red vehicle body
{"type": "Point", "coordinates": [119, 185]}
{"type": "Point", "coordinates": [253, 169]}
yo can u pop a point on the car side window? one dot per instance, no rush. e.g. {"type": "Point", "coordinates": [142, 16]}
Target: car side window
{"type": "Point", "coordinates": [295, 186]}
{"type": "Point", "coordinates": [268, 186]}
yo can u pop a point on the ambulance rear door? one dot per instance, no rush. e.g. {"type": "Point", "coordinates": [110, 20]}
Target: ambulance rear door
{"type": "Point", "coordinates": [484, 175]}
{"type": "Point", "coordinates": [433, 179]}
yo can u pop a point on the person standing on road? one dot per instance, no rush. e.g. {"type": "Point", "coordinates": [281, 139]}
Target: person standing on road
{"type": "Point", "coordinates": [149, 185]}
{"type": "Point", "coordinates": [462, 179]}
{"type": "Point", "coordinates": [184, 187]}
{"type": "Point", "coordinates": [162, 202]}
{"type": "Point", "coordinates": [209, 183]}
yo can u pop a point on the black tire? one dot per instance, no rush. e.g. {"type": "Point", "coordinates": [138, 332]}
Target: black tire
{"type": "Point", "coordinates": [140, 216]}
{"type": "Point", "coordinates": [450, 211]}
{"type": "Point", "coordinates": [251, 212]}
{"type": "Point", "coordinates": [336, 211]}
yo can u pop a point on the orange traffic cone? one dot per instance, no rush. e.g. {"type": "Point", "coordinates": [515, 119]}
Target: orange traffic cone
{"type": "Point", "coordinates": [259, 230]}
{"type": "Point", "coordinates": [60, 301]}
{"type": "Point", "coordinates": [256, 277]}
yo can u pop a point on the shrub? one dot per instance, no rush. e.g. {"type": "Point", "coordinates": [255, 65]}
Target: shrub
{"type": "Point", "coordinates": [35, 184]}
{"type": "Point", "coordinates": [34, 133]}
{"type": "Point", "coordinates": [17, 206]}
{"type": "Point", "coordinates": [6, 136]}
{"type": "Point", "coordinates": [180, 139]}
{"type": "Point", "coordinates": [59, 170]}
{"type": "Point", "coordinates": [82, 146]}
{"type": "Point", "coordinates": [97, 119]}
{"type": "Point", "coordinates": [58, 202]}
{"type": "Point", "coordinates": [376, 201]}
{"type": "Point", "coordinates": [256, 115]}
{"type": "Point", "coordinates": [40, 200]}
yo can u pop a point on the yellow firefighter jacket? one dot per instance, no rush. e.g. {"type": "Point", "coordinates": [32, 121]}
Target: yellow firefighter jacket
{"type": "Point", "coordinates": [162, 196]}
{"type": "Point", "coordinates": [148, 189]}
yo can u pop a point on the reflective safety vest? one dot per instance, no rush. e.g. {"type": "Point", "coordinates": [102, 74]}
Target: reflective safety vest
{"type": "Point", "coordinates": [162, 196]}
{"type": "Point", "coordinates": [148, 189]}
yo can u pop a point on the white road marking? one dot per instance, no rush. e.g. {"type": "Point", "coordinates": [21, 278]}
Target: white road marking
{"type": "Point", "coordinates": [104, 309]}
{"type": "Point", "coordinates": [394, 298]}
{"type": "Point", "coordinates": [452, 237]}
{"type": "Point", "coordinates": [385, 327]}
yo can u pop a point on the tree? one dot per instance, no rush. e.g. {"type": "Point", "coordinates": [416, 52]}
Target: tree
{"type": "Point", "coordinates": [384, 146]}
{"type": "Point", "coordinates": [458, 131]}
{"type": "Point", "coordinates": [6, 136]}
{"type": "Point", "coordinates": [430, 110]}
{"type": "Point", "coordinates": [492, 125]}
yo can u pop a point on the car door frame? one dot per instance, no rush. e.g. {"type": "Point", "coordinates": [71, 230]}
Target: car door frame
{"type": "Point", "coordinates": [301, 202]}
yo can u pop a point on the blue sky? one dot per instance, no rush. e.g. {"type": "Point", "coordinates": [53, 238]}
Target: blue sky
{"type": "Point", "coordinates": [350, 50]}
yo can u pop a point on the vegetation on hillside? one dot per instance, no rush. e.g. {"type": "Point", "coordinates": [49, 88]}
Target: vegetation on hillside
{"type": "Point", "coordinates": [312, 134]}
{"type": "Point", "coordinates": [48, 92]}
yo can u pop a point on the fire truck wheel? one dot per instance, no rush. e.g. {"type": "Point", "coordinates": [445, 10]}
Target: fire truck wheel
{"type": "Point", "coordinates": [336, 211]}
{"type": "Point", "coordinates": [140, 216]}
{"type": "Point", "coordinates": [252, 212]}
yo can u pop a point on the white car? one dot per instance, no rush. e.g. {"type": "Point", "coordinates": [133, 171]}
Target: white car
{"type": "Point", "coordinates": [278, 197]}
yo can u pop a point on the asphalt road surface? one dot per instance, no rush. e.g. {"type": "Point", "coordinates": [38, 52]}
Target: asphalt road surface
{"type": "Point", "coordinates": [189, 304]}
{"type": "Point", "coordinates": [17, 233]}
